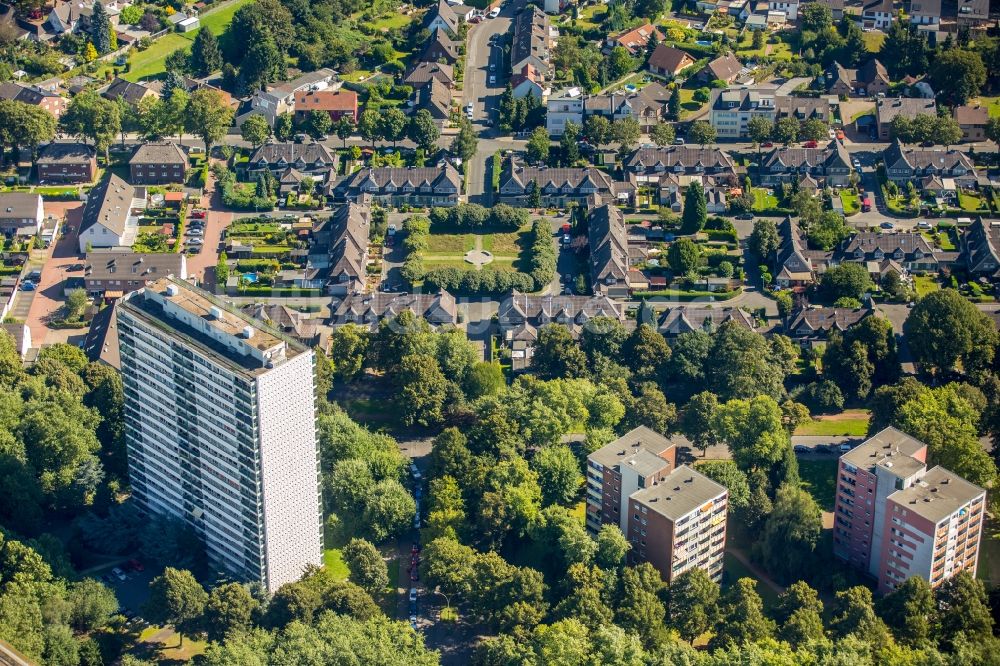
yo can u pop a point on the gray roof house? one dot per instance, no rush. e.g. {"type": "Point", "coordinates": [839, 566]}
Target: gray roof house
{"type": "Point", "coordinates": [609, 261]}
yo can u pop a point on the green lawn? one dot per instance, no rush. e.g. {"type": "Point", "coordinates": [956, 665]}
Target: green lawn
{"type": "Point", "coordinates": [505, 243]}
{"type": "Point", "coordinates": [850, 201]}
{"type": "Point", "coordinates": [334, 562]}
{"type": "Point", "coordinates": [735, 570]}
{"type": "Point", "coordinates": [991, 103]}
{"type": "Point", "coordinates": [873, 41]}
{"type": "Point", "coordinates": [149, 63]}
{"type": "Point", "coordinates": [819, 479]}
{"type": "Point", "coordinates": [850, 423]}
{"type": "Point", "coordinates": [447, 262]}
{"type": "Point", "coordinates": [989, 554]}
{"type": "Point", "coordinates": [925, 284]}
{"type": "Point", "coordinates": [970, 202]}
{"type": "Point", "coordinates": [592, 16]}
{"type": "Point", "coordinates": [450, 243]}
{"type": "Point", "coordinates": [763, 199]}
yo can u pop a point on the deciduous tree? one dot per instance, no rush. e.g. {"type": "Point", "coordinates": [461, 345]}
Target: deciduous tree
{"type": "Point", "coordinates": [176, 598]}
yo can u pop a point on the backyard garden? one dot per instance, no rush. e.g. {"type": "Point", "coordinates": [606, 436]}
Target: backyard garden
{"type": "Point", "coordinates": [159, 228]}
{"type": "Point", "coordinates": [257, 251]}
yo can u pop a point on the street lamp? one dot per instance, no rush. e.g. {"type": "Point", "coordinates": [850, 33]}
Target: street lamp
{"type": "Point", "coordinates": [447, 601]}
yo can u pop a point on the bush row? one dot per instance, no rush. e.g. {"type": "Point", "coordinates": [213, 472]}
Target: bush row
{"type": "Point", "coordinates": [473, 217]}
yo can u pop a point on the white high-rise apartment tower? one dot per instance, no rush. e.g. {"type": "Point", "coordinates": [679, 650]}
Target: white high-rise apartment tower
{"type": "Point", "coordinates": [220, 423]}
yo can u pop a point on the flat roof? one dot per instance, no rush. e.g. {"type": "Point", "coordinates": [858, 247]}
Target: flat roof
{"type": "Point", "coordinates": [937, 495]}
{"type": "Point", "coordinates": [679, 493]}
{"type": "Point", "coordinates": [629, 444]}
{"type": "Point", "coordinates": [887, 446]}
{"type": "Point", "coordinates": [219, 317]}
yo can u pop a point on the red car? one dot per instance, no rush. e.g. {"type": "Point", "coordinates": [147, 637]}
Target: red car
{"type": "Point", "coordinates": [766, 145]}
{"type": "Point", "coordinates": [136, 565]}
{"type": "Point", "coordinates": [809, 144]}
{"type": "Point", "coordinates": [198, 214]}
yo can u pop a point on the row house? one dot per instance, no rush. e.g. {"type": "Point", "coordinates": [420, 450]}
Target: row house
{"type": "Point", "coordinates": [299, 326]}
{"type": "Point", "coordinates": [689, 318]}
{"type": "Point", "coordinates": [869, 80]}
{"type": "Point", "coordinates": [336, 103]}
{"type": "Point", "coordinates": [111, 215]}
{"type": "Point", "coordinates": [309, 159]}
{"type": "Point", "coordinates": [808, 325]}
{"type": "Point", "coordinates": [973, 15]}
{"type": "Point", "coordinates": [648, 106]}
{"type": "Point", "coordinates": [395, 186]}
{"type": "Point", "coordinates": [520, 316]}
{"type": "Point", "coordinates": [609, 257]}
{"type": "Point", "coordinates": [71, 163]}
{"type": "Point", "coordinates": [532, 42]}
{"type": "Point", "coordinates": [905, 164]}
{"type": "Point", "coordinates": [980, 249]}
{"type": "Point", "coordinates": [888, 109]}
{"type": "Point", "coordinates": [796, 266]}
{"type": "Point", "coordinates": [338, 256]}
{"type": "Point", "coordinates": [443, 18]}
{"type": "Point", "coordinates": [113, 273]}
{"type": "Point", "coordinates": [529, 81]}
{"type": "Point", "coordinates": [925, 12]}
{"type": "Point", "coordinates": [280, 98]}
{"type": "Point", "coordinates": [435, 98]}
{"type": "Point", "coordinates": [911, 251]}
{"type": "Point", "coordinates": [830, 165]}
{"type": "Point", "coordinates": [158, 164]}
{"type": "Point", "coordinates": [972, 120]}
{"type": "Point", "coordinates": [731, 109]}
{"type": "Point", "coordinates": [368, 310]}
{"type": "Point", "coordinates": [422, 72]}
{"type": "Point", "coordinates": [21, 213]}
{"type": "Point", "coordinates": [49, 101]}
{"type": "Point", "coordinates": [688, 159]}
{"type": "Point", "coordinates": [440, 48]}
{"type": "Point", "coordinates": [557, 187]}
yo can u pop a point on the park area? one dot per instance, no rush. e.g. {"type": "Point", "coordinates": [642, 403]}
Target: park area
{"type": "Point", "coordinates": [471, 251]}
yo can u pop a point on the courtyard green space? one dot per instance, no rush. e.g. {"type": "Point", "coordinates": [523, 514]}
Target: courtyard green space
{"type": "Point", "coordinates": [819, 479]}
{"type": "Point", "coordinates": [446, 250]}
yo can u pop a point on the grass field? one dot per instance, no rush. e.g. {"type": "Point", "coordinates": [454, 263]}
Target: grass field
{"type": "Point", "coordinates": [969, 202]}
{"type": "Point", "coordinates": [734, 570]}
{"type": "Point", "coordinates": [149, 63]}
{"type": "Point", "coordinates": [504, 244]}
{"type": "Point", "coordinates": [448, 243]}
{"type": "Point", "coordinates": [925, 284]}
{"type": "Point", "coordinates": [873, 41]}
{"type": "Point", "coordinates": [853, 423]}
{"type": "Point", "coordinates": [819, 479]}
{"type": "Point", "coordinates": [763, 199]}
{"type": "Point", "coordinates": [989, 553]}
{"type": "Point", "coordinates": [850, 201]}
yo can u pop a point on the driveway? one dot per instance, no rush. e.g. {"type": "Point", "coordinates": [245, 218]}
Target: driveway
{"type": "Point", "coordinates": [202, 265]}
{"type": "Point", "coordinates": [48, 298]}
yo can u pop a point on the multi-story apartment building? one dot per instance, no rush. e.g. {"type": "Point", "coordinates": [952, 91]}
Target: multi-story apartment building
{"type": "Point", "coordinates": [158, 163]}
{"type": "Point", "coordinates": [678, 522]}
{"type": "Point", "coordinates": [395, 186]}
{"type": "Point", "coordinates": [220, 425]}
{"type": "Point", "coordinates": [731, 109]}
{"type": "Point", "coordinates": [66, 163]}
{"type": "Point", "coordinates": [895, 518]}
{"type": "Point", "coordinates": [615, 471]}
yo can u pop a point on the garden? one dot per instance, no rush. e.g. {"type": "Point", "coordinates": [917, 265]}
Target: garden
{"type": "Point", "coordinates": [160, 228]}
{"type": "Point", "coordinates": [257, 250]}
{"type": "Point", "coordinates": [473, 250]}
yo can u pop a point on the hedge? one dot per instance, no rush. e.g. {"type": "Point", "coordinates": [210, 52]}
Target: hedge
{"type": "Point", "coordinates": [279, 291]}
{"type": "Point", "coordinates": [473, 217]}
{"type": "Point", "coordinates": [679, 295]}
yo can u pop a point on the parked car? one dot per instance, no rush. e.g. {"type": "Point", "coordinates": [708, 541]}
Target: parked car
{"type": "Point", "coordinates": [495, 12]}
{"type": "Point", "coordinates": [845, 447]}
{"type": "Point", "coordinates": [840, 135]}
{"type": "Point", "coordinates": [857, 164]}
{"type": "Point", "coordinates": [745, 216]}
{"type": "Point", "coordinates": [924, 224]}
{"type": "Point", "coordinates": [678, 142]}
{"type": "Point", "coordinates": [119, 574]}
{"type": "Point", "coordinates": [391, 229]}
{"type": "Point", "coordinates": [888, 226]}
{"type": "Point", "coordinates": [833, 134]}
{"type": "Point", "coordinates": [27, 285]}
{"type": "Point", "coordinates": [136, 565]}
{"type": "Point", "coordinates": [809, 144]}
{"type": "Point", "coordinates": [195, 241]}
{"type": "Point", "coordinates": [413, 595]}
{"type": "Point", "coordinates": [413, 622]}
{"type": "Point", "coordinates": [198, 214]}
{"type": "Point", "coordinates": [493, 79]}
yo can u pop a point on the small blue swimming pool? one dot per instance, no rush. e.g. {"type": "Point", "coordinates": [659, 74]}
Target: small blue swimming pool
{"type": "Point", "coordinates": [703, 42]}
{"type": "Point", "coordinates": [251, 278]}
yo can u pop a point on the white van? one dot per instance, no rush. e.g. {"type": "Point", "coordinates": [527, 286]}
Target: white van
{"type": "Point", "coordinates": [495, 12]}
